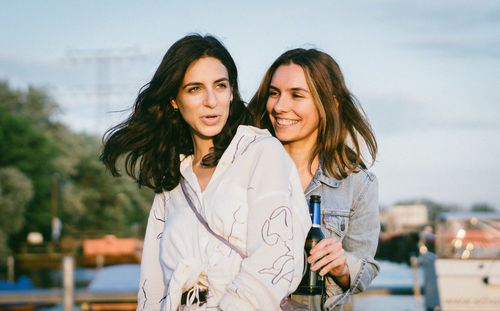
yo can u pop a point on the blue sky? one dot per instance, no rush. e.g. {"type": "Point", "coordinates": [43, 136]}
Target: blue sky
{"type": "Point", "coordinates": [426, 72]}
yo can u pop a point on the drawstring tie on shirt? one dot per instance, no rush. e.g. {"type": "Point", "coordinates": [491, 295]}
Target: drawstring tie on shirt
{"type": "Point", "coordinates": [193, 295]}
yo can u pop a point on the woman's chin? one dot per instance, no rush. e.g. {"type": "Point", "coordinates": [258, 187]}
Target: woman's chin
{"type": "Point", "coordinates": [209, 133]}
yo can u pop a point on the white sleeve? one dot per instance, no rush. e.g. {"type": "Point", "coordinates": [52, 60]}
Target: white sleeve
{"type": "Point", "coordinates": [278, 222]}
{"type": "Point", "coordinates": [151, 284]}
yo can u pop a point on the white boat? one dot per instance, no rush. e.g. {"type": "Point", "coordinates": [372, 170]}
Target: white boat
{"type": "Point", "coordinates": [468, 261]}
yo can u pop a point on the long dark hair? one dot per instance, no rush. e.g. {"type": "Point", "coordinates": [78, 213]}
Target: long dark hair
{"type": "Point", "coordinates": [155, 135]}
{"type": "Point", "coordinates": [343, 125]}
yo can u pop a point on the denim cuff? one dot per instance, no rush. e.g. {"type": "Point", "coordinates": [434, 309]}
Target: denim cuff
{"type": "Point", "coordinates": [355, 265]}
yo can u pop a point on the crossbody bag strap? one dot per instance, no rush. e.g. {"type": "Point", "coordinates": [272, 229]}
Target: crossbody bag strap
{"type": "Point", "coordinates": [286, 303]}
{"type": "Point", "coordinates": [203, 221]}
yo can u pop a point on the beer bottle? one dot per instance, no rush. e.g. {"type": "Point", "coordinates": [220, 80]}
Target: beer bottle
{"type": "Point", "coordinates": [312, 283]}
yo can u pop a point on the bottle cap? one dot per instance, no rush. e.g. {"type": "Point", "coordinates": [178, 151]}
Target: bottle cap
{"type": "Point", "coordinates": [315, 199]}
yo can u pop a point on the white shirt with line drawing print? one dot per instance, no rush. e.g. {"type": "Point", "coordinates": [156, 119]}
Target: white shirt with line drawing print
{"type": "Point", "coordinates": [255, 201]}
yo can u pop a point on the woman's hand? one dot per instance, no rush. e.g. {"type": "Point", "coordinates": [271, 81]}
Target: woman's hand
{"type": "Point", "coordinates": [328, 255]}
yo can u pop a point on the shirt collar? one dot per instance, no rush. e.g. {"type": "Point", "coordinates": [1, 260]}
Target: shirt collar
{"type": "Point", "coordinates": [321, 178]}
{"type": "Point", "coordinates": [324, 178]}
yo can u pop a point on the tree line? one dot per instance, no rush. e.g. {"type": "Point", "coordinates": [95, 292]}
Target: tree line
{"type": "Point", "coordinates": [48, 170]}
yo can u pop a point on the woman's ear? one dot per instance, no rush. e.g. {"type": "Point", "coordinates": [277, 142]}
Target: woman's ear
{"type": "Point", "coordinates": [174, 104]}
{"type": "Point", "coordinates": [336, 101]}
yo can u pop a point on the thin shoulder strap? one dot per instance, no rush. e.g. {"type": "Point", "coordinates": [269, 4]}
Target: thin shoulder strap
{"type": "Point", "coordinates": [204, 222]}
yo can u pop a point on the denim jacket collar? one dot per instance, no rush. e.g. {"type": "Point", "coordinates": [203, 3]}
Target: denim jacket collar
{"type": "Point", "coordinates": [322, 177]}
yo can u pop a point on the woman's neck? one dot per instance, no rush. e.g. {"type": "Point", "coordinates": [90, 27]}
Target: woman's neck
{"type": "Point", "coordinates": [201, 149]}
{"type": "Point", "coordinates": [301, 156]}
{"type": "Point", "coordinates": [203, 173]}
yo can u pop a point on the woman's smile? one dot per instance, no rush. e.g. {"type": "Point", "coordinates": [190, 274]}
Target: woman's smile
{"type": "Point", "coordinates": [283, 122]}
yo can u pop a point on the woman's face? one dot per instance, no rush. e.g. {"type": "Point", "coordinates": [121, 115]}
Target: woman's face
{"type": "Point", "coordinates": [204, 97]}
{"type": "Point", "coordinates": [291, 107]}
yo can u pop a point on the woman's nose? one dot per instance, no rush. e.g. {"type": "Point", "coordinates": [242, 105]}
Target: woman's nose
{"type": "Point", "coordinates": [211, 99]}
{"type": "Point", "coordinates": [281, 105]}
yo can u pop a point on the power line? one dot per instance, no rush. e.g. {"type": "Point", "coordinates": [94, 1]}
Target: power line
{"type": "Point", "coordinates": [102, 59]}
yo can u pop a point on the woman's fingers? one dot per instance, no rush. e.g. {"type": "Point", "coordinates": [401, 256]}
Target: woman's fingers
{"type": "Point", "coordinates": [323, 248]}
{"type": "Point", "coordinates": [328, 259]}
{"type": "Point", "coordinates": [328, 255]}
{"type": "Point", "coordinates": [321, 244]}
{"type": "Point", "coordinates": [335, 267]}
{"type": "Point", "coordinates": [325, 260]}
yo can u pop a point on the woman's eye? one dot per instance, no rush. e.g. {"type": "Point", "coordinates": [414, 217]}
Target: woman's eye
{"type": "Point", "coordinates": [273, 94]}
{"type": "Point", "coordinates": [297, 95]}
{"type": "Point", "coordinates": [222, 86]}
{"type": "Point", "coordinates": [193, 89]}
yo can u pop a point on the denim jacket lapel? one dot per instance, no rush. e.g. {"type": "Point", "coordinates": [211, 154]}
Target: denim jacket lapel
{"type": "Point", "coordinates": [321, 178]}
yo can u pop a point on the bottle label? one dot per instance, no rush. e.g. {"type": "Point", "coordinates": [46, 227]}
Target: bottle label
{"type": "Point", "coordinates": [316, 221]}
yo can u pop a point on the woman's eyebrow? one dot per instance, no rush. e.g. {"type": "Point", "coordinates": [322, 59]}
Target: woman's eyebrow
{"type": "Point", "coordinates": [273, 87]}
{"type": "Point", "coordinates": [299, 89]}
{"type": "Point", "coordinates": [191, 84]}
{"type": "Point", "coordinates": [221, 80]}
{"type": "Point", "coordinates": [199, 83]}
{"type": "Point", "coordinates": [294, 89]}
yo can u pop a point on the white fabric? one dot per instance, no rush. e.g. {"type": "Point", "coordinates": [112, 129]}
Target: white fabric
{"type": "Point", "coordinates": [255, 200]}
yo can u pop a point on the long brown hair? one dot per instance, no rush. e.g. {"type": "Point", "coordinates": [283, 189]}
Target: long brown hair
{"type": "Point", "coordinates": [343, 126]}
{"type": "Point", "coordinates": [155, 135]}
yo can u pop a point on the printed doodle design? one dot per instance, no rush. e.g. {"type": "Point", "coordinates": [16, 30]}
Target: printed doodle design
{"type": "Point", "coordinates": [277, 231]}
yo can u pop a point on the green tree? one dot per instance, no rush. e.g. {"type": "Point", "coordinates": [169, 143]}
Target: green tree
{"type": "Point", "coordinates": [24, 147]}
{"type": "Point", "coordinates": [33, 105]}
{"type": "Point", "coordinates": [115, 205]}
{"type": "Point", "coordinates": [482, 207]}
{"type": "Point", "coordinates": [16, 191]}
{"type": "Point", "coordinates": [33, 142]}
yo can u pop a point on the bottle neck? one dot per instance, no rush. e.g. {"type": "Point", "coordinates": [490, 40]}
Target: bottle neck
{"type": "Point", "coordinates": [316, 216]}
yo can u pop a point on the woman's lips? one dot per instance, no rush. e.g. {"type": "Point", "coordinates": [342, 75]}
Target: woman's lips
{"type": "Point", "coordinates": [282, 122]}
{"type": "Point", "coordinates": [210, 119]}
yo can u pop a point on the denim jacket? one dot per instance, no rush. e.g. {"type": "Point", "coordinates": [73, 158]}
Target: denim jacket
{"type": "Point", "coordinates": [349, 212]}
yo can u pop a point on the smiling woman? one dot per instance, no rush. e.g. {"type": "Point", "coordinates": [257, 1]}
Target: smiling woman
{"type": "Point", "coordinates": [222, 233]}
{"type": "Point", "coordinates": [291, 107]}
{"type": "Point", "coordinates": [304, 101]}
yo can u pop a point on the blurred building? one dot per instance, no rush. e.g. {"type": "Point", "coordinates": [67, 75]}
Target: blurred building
{"type": "Point", "coordinates": [404, 218]}
{"type": "Point", "coordinates": [400, 236]}
{"type": "Point", "coordinates": [112, 250]}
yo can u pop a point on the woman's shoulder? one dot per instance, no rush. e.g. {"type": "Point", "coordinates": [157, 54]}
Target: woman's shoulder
{"type": "Point", "coordinates": [365, 174]}
{"type": "Point", "coordinates": [363, 181]}
{"type": "Point", "coordinates": [255, 146]}
{"type": "Point", "coordinates": [359, 179]}
{"type": "Point", "coordinates": [251, 130]}
{"type": "Point", "coordinates": [256, 134]}
{"type": "Point", "coordinates": [250, 138]}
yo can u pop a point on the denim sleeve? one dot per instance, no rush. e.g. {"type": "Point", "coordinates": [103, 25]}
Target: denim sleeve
{"type": "Point", "coordinates": [360, 244]}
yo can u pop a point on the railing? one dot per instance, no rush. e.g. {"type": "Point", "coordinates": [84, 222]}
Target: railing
{"type": "Point", "coordinates": [57, 296]}
{"type": "Point", "coordinates": [67, 295]}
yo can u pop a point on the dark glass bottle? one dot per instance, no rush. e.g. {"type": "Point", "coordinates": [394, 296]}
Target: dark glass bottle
{"type": "Point", "coordinates": [312, 283]}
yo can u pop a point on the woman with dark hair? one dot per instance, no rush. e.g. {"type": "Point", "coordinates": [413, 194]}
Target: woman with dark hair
{"type": "Point", "coordinates": [304, 102]}
{"type": "Point", "coordinates": [222, 233]}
